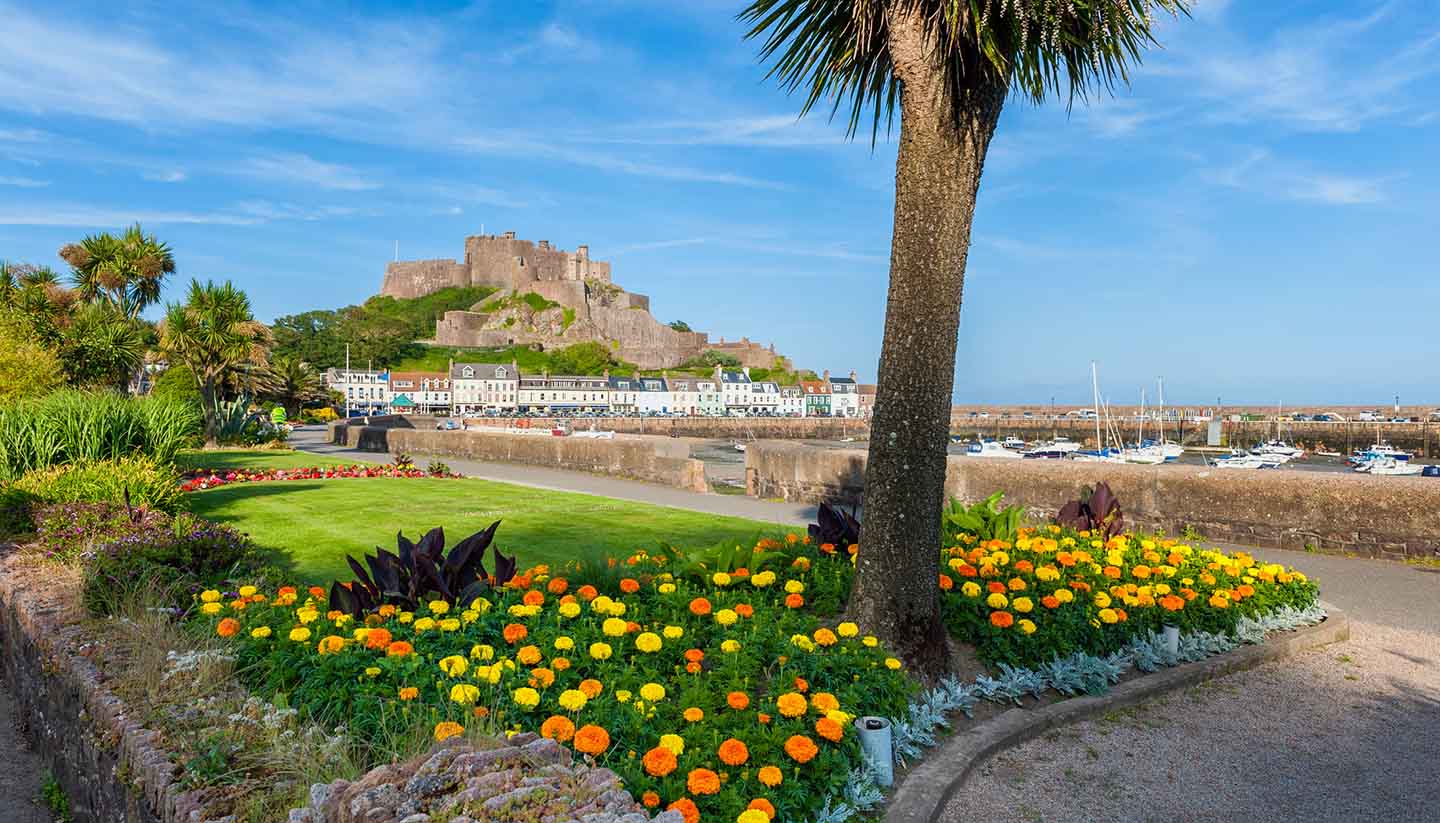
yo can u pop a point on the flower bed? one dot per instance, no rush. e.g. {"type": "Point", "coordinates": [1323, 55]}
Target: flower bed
{"type": "Point", "coordinates": [725, 695]}
{"type": "Point", "coordinates": [201, 479]}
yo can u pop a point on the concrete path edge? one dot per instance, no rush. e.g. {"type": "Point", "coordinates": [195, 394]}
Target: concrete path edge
{"type": "Point", "coordinates": [927, 788]}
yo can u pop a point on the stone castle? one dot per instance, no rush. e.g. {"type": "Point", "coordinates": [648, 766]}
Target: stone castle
{"type": "Point", "coordinates": [580, 303]}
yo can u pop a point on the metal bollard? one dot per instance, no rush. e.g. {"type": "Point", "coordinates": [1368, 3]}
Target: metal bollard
{"type": "Point", "coordinates": [875, 741]}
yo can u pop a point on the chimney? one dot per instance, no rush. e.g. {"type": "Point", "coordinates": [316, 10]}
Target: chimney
{"type": "Point", "coordinates": [583, 251]}
{"type": "Point", "coordinates": [515, 367]}
{"type": "Point", "coordinates": [853, 378]}
{"type": "Point", "coordinates": [509, 235]}
{"type": "Point", "coordinates": [826, 376]}
{"type": "Point", "coordinates": [606, 375]}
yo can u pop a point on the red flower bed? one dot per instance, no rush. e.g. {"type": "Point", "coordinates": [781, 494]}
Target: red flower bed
{"type": "Point", "coordinates": [201, 479]}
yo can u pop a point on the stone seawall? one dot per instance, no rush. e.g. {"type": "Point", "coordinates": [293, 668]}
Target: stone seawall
{"type": "Point", "coordinates": [112, 769]}
{"type": "Point", "coordinates": [1392, 517]}
{"type": "Point", "coordinates": [1422, 438]}
{"type": "Point", "coordinates": [667, 463]}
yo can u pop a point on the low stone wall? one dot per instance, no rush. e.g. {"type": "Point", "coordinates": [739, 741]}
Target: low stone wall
{"type": "Point", "coordinates": [654, 460]}
{"type": "Point", "coordinates": [1391, 517]}
{"type": "Point", "coordinates": [112, 769]}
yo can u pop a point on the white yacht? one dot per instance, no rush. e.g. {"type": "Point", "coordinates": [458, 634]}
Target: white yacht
{"type": "Point", "coordinates": [1389, 466]}
{"type": "Point", "coordinates": [1059, 448]}
{"type": "Point", "coordinates": [991, 449]}
{"type": "Point", "coordinates": [1013, 442]}
{"type": "Point", "coordinates": [1279, 448]}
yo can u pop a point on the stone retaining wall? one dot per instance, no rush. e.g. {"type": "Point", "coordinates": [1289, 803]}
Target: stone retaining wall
{"type": "Point", "coordinates": [654, 460]}
{"type": "Point", "coordinates": [720, 428]}
{"type": "Point", "coordinates": [112, 769]}
{"type": "Point", "coordinates": [1392, 517]}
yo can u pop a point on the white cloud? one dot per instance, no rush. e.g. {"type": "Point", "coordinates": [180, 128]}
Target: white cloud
{"type": "Point", "coordinates": [270, 211]}
{"type": "Point", "coordinates": [1338, 191]}
{"type": "Point", "coordinates": [767, 131]}
{"type": "Point", "coordinates": [172, 176]}
{"type": "Point", "coordinates": [552, 41]}
{"type": "Point", "coordinates": [655, 245]}
{"type": "Point", "coordinates": [1262, 173]}
{"type": "Point", "coordinates": [22, 135]}
{"type": "Point", "coordinates": [304, 169]}
{"type": "Point", "coordinates": [524, 146]}
{"type": "Point", "coordinates": [24, 182]}
{"type": "Point", "coordinates": [102, 218]}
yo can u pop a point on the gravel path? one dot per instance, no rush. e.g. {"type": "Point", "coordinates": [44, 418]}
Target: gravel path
{"type": "Point", "coordinates": [21, 775]}
{"type": "Point", "coordinates": [1342, 733]}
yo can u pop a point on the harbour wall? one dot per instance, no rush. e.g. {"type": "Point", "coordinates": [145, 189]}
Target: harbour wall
{"type": "Point", "coordinates": [1391, 517]}
{"type": "Point", "coordinates": [719, 428]}
{"type": "Point", "coordinates": [665, 462]}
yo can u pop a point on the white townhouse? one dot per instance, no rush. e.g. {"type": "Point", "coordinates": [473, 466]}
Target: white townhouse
{"type": "Point", "coordinates": [764, 397]}
{"type": "Point", "coordinates": [735, 391]}
{"type": "Point", "coordinates": [563, 394]}
{"type": "Point", "coordinates": [366, 391]}
{"type": "Point", "coordinates": [622, 394]}
{"type": "Point", "coordinates": [844, 395]}
{"type": "Point", "coordinates": [654, 396]}
{"type": "Point", "coordinates": [420, 391]}
{"type": "Point", "coordinates": [792, 402]}
{"type": "Point", "coordinates": [684, 395]}
{"type": "Point", "coordinates": [484, 388]}
{"type": "Point", "coordinates": [708, 399]}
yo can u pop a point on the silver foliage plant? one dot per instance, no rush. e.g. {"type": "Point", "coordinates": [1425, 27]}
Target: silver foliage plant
{"type": "Point", "coordinates": [1079, 673]}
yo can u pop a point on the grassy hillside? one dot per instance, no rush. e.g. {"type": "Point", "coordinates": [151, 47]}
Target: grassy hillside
{"type": "Point", "coordinates": [581, 358]}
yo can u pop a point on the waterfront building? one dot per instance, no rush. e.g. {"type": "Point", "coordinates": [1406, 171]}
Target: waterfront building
{"type": "Point", "coordinates": [866, 393]}
{"type": "Point", "coordinates": [420, 392]}
{"type": "Point", "coordinates": [764, 397]}
{"type": "Point", "coordinates": [623, 391]}
{"type": "Point", "coordinates": [734, 390]}
{"type": "Point", "coordinates": [484, 388]}
{"type": "Point", "coordinates": [817, 397]}
{"type": "Point", "coordinates": [792, 401]}
{"type": "Point", "coordinates": [653, 396]}
{"type": "Point", "coordinates": [366, 391]}
{"type": "Point", "coordinates": [844, 395]}
{"type": "Point", "coordinates": [563, 394]}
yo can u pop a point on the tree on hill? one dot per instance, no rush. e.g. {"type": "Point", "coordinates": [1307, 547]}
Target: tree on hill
{"type": "Point", "coordinates": [213, 332]}
{"type": "Point", "coordinates": [680, 325]}
{"type": "Point", "coordinates": [125, 272]}
{"type": "Point", "coordinates": [948, 67]}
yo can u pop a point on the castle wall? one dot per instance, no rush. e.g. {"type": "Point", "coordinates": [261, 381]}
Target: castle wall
{"type": "Point", "coordinates": [509, 262]}
{"type": "Point", "coordinates": [570, 293]}
{"type": "Point", "coordinates": [417, 278]}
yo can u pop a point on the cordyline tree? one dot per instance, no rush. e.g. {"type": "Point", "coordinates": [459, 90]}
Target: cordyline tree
{"type": "Point", "coordinates": [125, 272]}
{"type": "Point", "coordinates": [213, 332]}
{"type": "Point", "coordinates": [947, 66]}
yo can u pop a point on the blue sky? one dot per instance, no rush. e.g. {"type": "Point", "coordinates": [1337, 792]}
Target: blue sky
{"type": "Point", "coordinates": [1255, 218]}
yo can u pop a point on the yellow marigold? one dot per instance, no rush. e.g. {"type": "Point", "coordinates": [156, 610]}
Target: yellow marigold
{"type": "Point", "coordinates": [753, 816]}
{"type": "Point", "coordinates": [211, 608]}
{"type": "Point", "coordinates": [726, 617]}
{"type": "Point", "coordinates": [1064, 595]}
{"type": "Point", "coordinates": [673, 632]}
{"type": "Point", "coordinates": [614, 627]}
{"type": "Point", "coordinates": [260, 632]}
{"type": "Point", "coordinates": [454, 665]}
{"type": "Point", "coordinates": [1109, 616]}
{"type": "Point", "coordinates": [564, 644]}
{"type": "Point", "coordinates": [802, 642]}
{"type": "Point", "coordinates": [825, 637]}
{"type": "Point", "coordinates": [997, 601]}
{"type": "Point", "coordinates": [1102, 600]}
{"type": "Point", "coordinates": [526, 697]}
{"type": "Point", "coordinates": [409, 693]}
{"type": "Point", "coordinates": [1023, 604]}
{"type": "Point", "coordinates": [847, 629]}
{"type": "Point", "coordinates": [693, 715]}
{"type": "Point", "coordinates": [762, 579]}
{"type": "Point", "coordinates": [652, 692]}
{"type": "Point", "coordinates": [569, 609]}
{"type": "Point", "coordinates": [648, 642]}
{"type": "Point", "coordinates": [464, 694]}
{"type": "Point", "coordinates": [970, 588]}
{"type": "Point", "coordinates": [248, 591]}
{"type": "Point", "coordinates": [729, 645]}
{"type": "Point", "coordinates": [572, 700]}
{"type": "Point", "coordinates": [438, 606]}
{"type": "Point", "coordinates": [791, 704]}
{"type": "Point", "coordinates": [210, 596]}
{"type": "Point", "coordinates": [601, 651]}
{"type": "Point", "coordinates": [666, 588]}
{"type": "Point", "coordinates": [330, 644]}
{"type": "Point", "coordinates": [481, 651]}
{"type": "Point", "coordinates": [892, 664]}
{"type": "Point", "coordinates": [446, 729]}
{"type": "Point", "coordinates": [794, 587]}
{"type": "Point", "coordinates": [770, 776]}
{"type": "Point", "coordinates": [1027, 626]}
{"type": "Point", "coordinates": [870, 640]}
{"type": "Point", "coordinates": [449, 624]}
{"type": "Point", "coordinates": [673, 742]}
{"type": "Point", "coordinates": [720, 579]}
{"type": "Point", "coordinates": [424, 624]}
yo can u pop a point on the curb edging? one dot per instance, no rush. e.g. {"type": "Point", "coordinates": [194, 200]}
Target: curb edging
{"type": "Point", "coordinates": [927, 788]}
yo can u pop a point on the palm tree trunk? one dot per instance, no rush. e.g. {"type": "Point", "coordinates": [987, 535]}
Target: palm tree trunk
{"type": "Point", "coordinates": [210, 411]}
{"type": "Point", "coordinates": [937, 175]}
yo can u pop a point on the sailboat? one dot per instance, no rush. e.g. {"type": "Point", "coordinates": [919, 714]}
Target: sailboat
{"type": "Point", "coordinates": [1277, 446]}
{"type": "Point", "coordinates": [1143, 453]}
{"type": "Point", "coordinates": [1171, 451]}
{"type": "Point", "coordinates": [1100, 454]}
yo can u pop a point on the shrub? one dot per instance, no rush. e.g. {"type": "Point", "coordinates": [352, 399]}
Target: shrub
{"type": "Point", "coordinates": [15, 508]}
{"type": "Point", "coordinates": [147, 482]}
{"type": "Point", "coordinates": [121, 546]}
{"type": "Point", "coordinates": [27, 369]}
{"type": "Point", "coordinates": [324, 414]}
{"type": "Point", "coordinates": [79, 427]}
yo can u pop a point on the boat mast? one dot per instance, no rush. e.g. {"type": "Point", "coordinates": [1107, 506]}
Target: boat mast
{"type": "Point", "coordinates": [1161, 382]}
{"type": "Point", "coordinates": [1095, 387]}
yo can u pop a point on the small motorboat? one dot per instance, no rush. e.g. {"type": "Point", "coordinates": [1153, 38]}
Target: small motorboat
{"type": "Point", "coordinates": [991, 449]}
{"type": "Point", "coordinates": [1390, 467]}
{"type": "Point", "coordinates": [739, 447]}
{"type": "Point", "coordinates": [1013, 442]}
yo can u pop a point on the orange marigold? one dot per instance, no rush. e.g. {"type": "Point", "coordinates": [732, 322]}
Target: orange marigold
{"type": "Point", "coordinates": [587, 592]}
{"type": "Point", "coordinates": [528, 655]}
{"type": "Point", "coordinates": [802, 685]}
{"type": "Point", "coordinates": [378, 638]}
{"type": "Point", "coordinates": [592, 740]}
{"type": "Point", "coordinates": [946, 584]}
{"type": "Point", "coordinates": [824, 701]}
{"type": "Point", "coordinates": [770, 776]}
{"type": "Point", "coordinates": [1050, 601]}
{"type": "Point", "coordinates": [316, 592]}
{"type": "Point", "coordinates": [734, 752]}
{"type": "Point", "coordinates": [794, 601]}
{"type": "Point", "coordinates": [591, 688]}
{"type": "Point", "coordinates": [827, 548]}
{"type": "Point", "coordinates": [650, 799]}
{"type": "Point", "coordinates": [409, 693]}
{"type": "Point", "coordinates": [762, 717]}
{"type": "Point", "coordinates": [829, 729]}
{"type": "Point", "coordinates": [558, 728]}
{"type": "Point", "coordinates": [702, 781]}
{"type": "Point", "coordinates": [744, 609]}
{"type": "Point", "coordinates": [693, 667]}
{"type": "Point", "coordinates": [700, 607]}
{"type": "Point", "coordinates": [557, 585]}
{"type": "Point", "coordinates": [229, 627]}
{"type": "Point", "coordinates": [1002, 620]}
{"type": "Point", "coordinates": [659, 762]}
{"type": "Point", "coordinates": [738, 701]}
{"type": "Point", "coordinates": [694, 655]}
{"type": "Point", "coordinates": [760, 804]}
{"type": "Point", "coordinates": [542, 677]}
{"type": "Point", "coordinates": [514, 633]}
{"type": "Point", "coordinates": [995, 587]}
{"type": "Point", "coordinates": [533, 598]}
{"type": "Point", "coordinates": [686, 807]}
{"type": "Point", "coordinates": [629, 585]}
{"type": "Point", "coordinates": [693, 715]}
{"type": "Point", "coordinates": [801, 748]}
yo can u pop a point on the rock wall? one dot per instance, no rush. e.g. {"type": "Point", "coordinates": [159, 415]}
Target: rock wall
{"type": "Point", "coordinates": [1391, 517]}
{"type": "Point", "coordinates": [667, 463]}
{"type": "Point", "coordinates": [718, 428]}
{"type": "Point", "coordinates": [417, 278]}
{"type": "Point", "coordinates": [112, 769]}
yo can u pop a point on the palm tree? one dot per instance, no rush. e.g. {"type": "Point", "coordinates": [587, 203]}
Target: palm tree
{"type": "Point", "coordinates": [293, 384]}
{"type": "Point", "coordinates": [948, 66]}
{"type": "Point", "coordinates": [126, 271]}
{"type": "Point", "coordinates": [213, 332]}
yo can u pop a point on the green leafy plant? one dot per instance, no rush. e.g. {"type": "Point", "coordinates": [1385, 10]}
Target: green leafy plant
{"type": "Point", "coordinates": [403, 461]}
{"type": "Point", "coordinates": [438, 468]}
{"type": "Point", "coordinates": [143, 480]}
{"type": "Point", "coordinates": [52, 794]}
{"type": "Point", "coordinates": [985, 520]}
{"type": "Point", "coordinates": [422, 570]}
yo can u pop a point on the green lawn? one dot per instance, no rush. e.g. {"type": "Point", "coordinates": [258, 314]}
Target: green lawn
{"type": "Point", "coordinates": [317, 522]}
{"type": "Point", "coordinates": [255, 459]}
